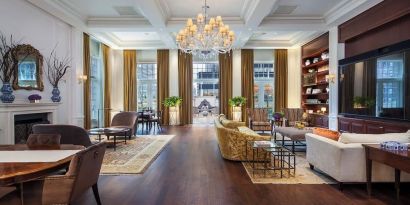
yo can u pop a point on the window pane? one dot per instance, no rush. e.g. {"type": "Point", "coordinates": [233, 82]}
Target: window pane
{"type": "Point", "coordinates": [264, 86]}
{"type": "Point", "coordinates": [97, 85]}
{"type": "Point", "coordinates": [146, 86]}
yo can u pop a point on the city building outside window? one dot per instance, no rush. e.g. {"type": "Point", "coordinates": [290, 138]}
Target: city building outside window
{"type": "Point", "coordinates": [146, 86]}
{"type": "Point", "coordinates": [264, 86]}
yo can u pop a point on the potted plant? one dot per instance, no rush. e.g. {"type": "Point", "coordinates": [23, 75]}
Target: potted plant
{"type": "Point", "coordinates": [173, 103]}
{"type": "Point", "coordinates": [35, 98]}
{"type": "Point", "coordinates": [7, 66]}
{"type": "Point", "coordinates": [57, 68]}
{"type": "Point", "coordinates": [363, 102]}
{"type": "Point", "coordinates": [236, 103]}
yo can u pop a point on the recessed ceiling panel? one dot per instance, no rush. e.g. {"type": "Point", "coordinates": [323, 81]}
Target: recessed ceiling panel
{"type": "Point", "coordinates": [103, 8]}
{"type": "Point", "coordinates": [136, 36]}
{"type": "Point", "coordinates": [274, 35]}
{"type": "Point", "coordinates": [190, 8]}
{"type": "Point", "coordinates": [311, 8]}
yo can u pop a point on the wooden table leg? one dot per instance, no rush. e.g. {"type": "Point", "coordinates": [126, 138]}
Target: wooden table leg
{"type": "Point", "coordinates": [397, 182]}
{"type": "Point", "coordinates": [368, 173]}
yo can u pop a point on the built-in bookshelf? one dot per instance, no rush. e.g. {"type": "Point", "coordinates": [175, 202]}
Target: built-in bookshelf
{"type": "Point", "coordinates": [315, 87]}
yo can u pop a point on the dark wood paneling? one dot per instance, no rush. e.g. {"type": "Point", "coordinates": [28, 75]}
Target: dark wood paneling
{"type": "Point", "coordinates": [317, 44]}
{"type": "Point", "coordinates": [318, 120]}
{"type": "Point", "coordinates": [370, 126]}
{"type": "Point", "coordinates": [385, 35]}
{"type": "Point", "coordinates": [383, 13]}
{"type": "Point", "coordinates": [384, 24]}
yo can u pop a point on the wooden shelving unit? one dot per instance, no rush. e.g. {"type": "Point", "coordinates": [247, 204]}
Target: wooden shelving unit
{"type": "Point", "coordinates": [314, 78]}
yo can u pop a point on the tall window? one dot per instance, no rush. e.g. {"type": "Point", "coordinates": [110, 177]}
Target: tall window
{"type": "Point", "coordinates": [264, 85]}
{"type": "Point", "coordinates": [205, 90]}
{"type": "Point", "coordinates": [97, 85]}
{"type": "Point", "coordinates": [147, 86]}
{"type": "Point", "coordinates": [389, 84]}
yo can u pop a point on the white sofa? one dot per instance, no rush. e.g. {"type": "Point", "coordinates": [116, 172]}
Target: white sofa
{"type": "Point", "coordinates": [345, 162]}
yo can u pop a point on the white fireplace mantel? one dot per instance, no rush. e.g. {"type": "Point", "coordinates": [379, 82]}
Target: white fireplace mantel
{"type": "Point", "coordinates": [9, 110]}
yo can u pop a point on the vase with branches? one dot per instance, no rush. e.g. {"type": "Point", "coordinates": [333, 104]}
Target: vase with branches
{"type": "Point", "coordinates": [7, 65]}
{"type": "Point", "coordinates": [57, 68]}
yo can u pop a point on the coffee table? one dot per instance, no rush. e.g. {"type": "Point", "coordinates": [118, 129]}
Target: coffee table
{"type": "Point", "coordinates": [112, 131]}
{"type": "Point", "coordinates": [294, 134]}
{"type": "Point", "coordinates": [274, 157]}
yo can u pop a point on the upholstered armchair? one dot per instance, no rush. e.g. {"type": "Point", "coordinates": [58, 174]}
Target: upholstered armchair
{"type": "Point", "coordinates": [258, 119]}
{"type": "Point", "coordinates": [70, 134]}
{"type": "Point", "coordinates": [43, 139]}
{"type": "Point", "coordinates": [125, 120]}
{"type": "Point", "coordinates": [293, 115]}
{"type": "Point", "coordinates": [232, 143]}
{"type": "Point", "coordinates": [83, 174]}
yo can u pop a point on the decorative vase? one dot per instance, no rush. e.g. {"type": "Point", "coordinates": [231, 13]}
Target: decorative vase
{"type": "Point", "coordinates": [7, 91]}
{"type": "Point", "coordinates": [237, 113]}
{"type": "Point", "coordinates": [173, 115]}
{"type": "Point", "coordinates": [56, 95]}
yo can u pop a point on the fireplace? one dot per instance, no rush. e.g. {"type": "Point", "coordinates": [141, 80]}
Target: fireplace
{"type": "Point", "coordinates": [23, 125]}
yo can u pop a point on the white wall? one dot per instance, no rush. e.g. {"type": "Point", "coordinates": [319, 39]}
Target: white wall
{"type": "Point", "coordinates": [117, 81]}
{"type": "Point", "coordinates": [30, 25]}
{"type": "Point", "coordinates": [236, 74]}
{"type": "Point", "coordinates": [294, 78]}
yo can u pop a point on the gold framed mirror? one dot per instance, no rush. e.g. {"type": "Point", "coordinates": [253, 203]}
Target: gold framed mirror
{"type": "Point", "coordinates": [28, 74]}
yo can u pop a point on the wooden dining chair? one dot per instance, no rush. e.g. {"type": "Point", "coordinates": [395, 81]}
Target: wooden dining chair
{"type": "Point", "coordinates": [157, 119]}
{"type": "Point", "coordinates": [83, 174]}
{"type": "Point", "coordinates": [43, 139]}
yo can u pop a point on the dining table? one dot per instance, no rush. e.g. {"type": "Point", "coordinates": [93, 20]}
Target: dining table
{"type": "Point", "coordinates": [20, 171]}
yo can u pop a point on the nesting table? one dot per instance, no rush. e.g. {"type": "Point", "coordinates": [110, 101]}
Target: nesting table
{"type": "Point", "coordinates": [294, 134]}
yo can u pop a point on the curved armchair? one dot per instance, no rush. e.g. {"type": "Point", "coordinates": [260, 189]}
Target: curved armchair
{"type": "Point", "coordinates": [64, 189]}
{"type": "Point", "coordinates": [127, 120]}
{"type": "Point", "coordinates": [70, 134]}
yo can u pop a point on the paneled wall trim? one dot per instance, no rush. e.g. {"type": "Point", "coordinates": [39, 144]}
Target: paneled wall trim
{"type": "Point", "coordinates": [368, 126]}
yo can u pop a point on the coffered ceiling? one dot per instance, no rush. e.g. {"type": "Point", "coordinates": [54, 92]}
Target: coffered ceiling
{"type": "Point", "coordinates": [152, 24]}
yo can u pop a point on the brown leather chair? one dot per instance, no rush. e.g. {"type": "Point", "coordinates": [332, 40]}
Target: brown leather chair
{"type": "Point", "coordinates": [70, 134]}
{"type": "Point", "coordinates": [83, 174]}
{"type": "Point", "coordinates": [6, 190]}
{"type": "Point", "coordinates": [125, 119]}
{"type": "Point", "coordinates": [258, 119]}
{"type": "Point", "coordinates": [43, 139]}
{"type": "Point", "coordinates": [293, 115]}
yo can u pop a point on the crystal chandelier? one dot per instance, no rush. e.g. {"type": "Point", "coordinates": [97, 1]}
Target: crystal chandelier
{"type": "Point", "coordinates": [204, 39]}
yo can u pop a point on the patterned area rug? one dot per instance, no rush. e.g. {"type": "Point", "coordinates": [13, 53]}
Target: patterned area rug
{"type": "Point", "coordinates": [135, 156]}
{"type": "Point", "coordinates": [303, 175]}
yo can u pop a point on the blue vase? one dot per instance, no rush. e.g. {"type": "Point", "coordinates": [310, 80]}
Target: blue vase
{"type": "Point", "coordinates": [56, 95]}
{"type": "Point", "coordinates": [7, 91]}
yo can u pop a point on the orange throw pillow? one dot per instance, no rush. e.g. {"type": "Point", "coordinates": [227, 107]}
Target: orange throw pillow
{"type": "Point", "coordinates": [334, 135]}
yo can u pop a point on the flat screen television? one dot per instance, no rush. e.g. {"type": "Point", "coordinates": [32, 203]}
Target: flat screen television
{"type": "Point", "coordinates": [376, 84]}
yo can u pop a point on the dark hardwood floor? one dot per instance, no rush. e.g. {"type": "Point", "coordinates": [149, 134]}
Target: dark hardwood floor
{"type": "Point", "coordinates": [190, 170]}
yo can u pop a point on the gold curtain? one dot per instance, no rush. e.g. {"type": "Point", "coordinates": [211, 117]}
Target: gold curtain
{"type": "Point", "coordinates": [163, 83]}
{"type": "Point", "coordinates": [185, 87]}
{"type": "Point", "coordinates": [87, 83]}
{"type": "Point", "coordinates": [130, 80]}
{"type": "Point", "coordinates": [225, 83]}
{"type": "Point", "coordinates": [247, 80]}
{"type": "Point", "coordinates": [281, 79]}
{"type": "Point", "coordinates": [107, 85]}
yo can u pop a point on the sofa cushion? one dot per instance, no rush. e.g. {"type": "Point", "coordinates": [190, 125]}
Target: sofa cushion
{"type": "Point", "coordinates": [334, 135]}
{"type": "Point", "coordinates": [347, 138]}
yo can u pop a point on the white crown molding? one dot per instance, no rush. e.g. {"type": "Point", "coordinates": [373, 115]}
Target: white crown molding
{"type": "Point", "coordinates": [164, 7]}
{"type": "Point", "coordinates": [268, 44]}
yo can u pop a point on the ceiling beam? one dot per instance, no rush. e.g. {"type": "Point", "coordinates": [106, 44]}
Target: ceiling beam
{"type": "Point", "coordinates": [253, 17]}
{"type": "Point", "coordinates": [155, 14]}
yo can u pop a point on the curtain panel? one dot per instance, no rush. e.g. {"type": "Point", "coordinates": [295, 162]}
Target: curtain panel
{"type": "Point", "coordinates": [247, 80]}
{"type": "Point", "coordinates": [87, 83]}
{"type": "Point", "coordinates": [163, 83]}
{"type": "Point", "coordinates": [281, 79]}
{"type": "Point", "coordinates": [107, 84]}
{"type": "Point", "coordinates": [185, 86]}
{"type": "Point", "coordinates": [225, 83]}
{"type": "Point", "coordinates": [130, 80]}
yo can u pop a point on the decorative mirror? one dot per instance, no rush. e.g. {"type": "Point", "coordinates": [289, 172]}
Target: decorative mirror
{"type": "Point", "coordinates": [29, 71]}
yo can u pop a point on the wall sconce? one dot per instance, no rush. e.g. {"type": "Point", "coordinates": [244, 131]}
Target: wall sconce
{"type": "Point", "coordinates": [82, 79]}
{"type": "Point", "coordinates": [330, 78]}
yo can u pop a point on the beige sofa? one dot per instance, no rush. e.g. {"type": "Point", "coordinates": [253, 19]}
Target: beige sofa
{"type": "Point", "coordinates": [232, 143]}
{"type": "Point", "coordinates": [344, 160]}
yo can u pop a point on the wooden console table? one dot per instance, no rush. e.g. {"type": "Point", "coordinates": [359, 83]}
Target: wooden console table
{"type": "Point", "coordinates": [399, 160]}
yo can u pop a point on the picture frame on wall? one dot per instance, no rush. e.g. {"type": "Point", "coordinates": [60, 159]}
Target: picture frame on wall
{"type": "Point", "coordinates": [308, 90]}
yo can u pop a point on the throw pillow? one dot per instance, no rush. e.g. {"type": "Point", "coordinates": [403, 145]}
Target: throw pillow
{"type": "Point", "coordinates": [374, 138]}
{"type": "Point", "coordinates": [334, 135]}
